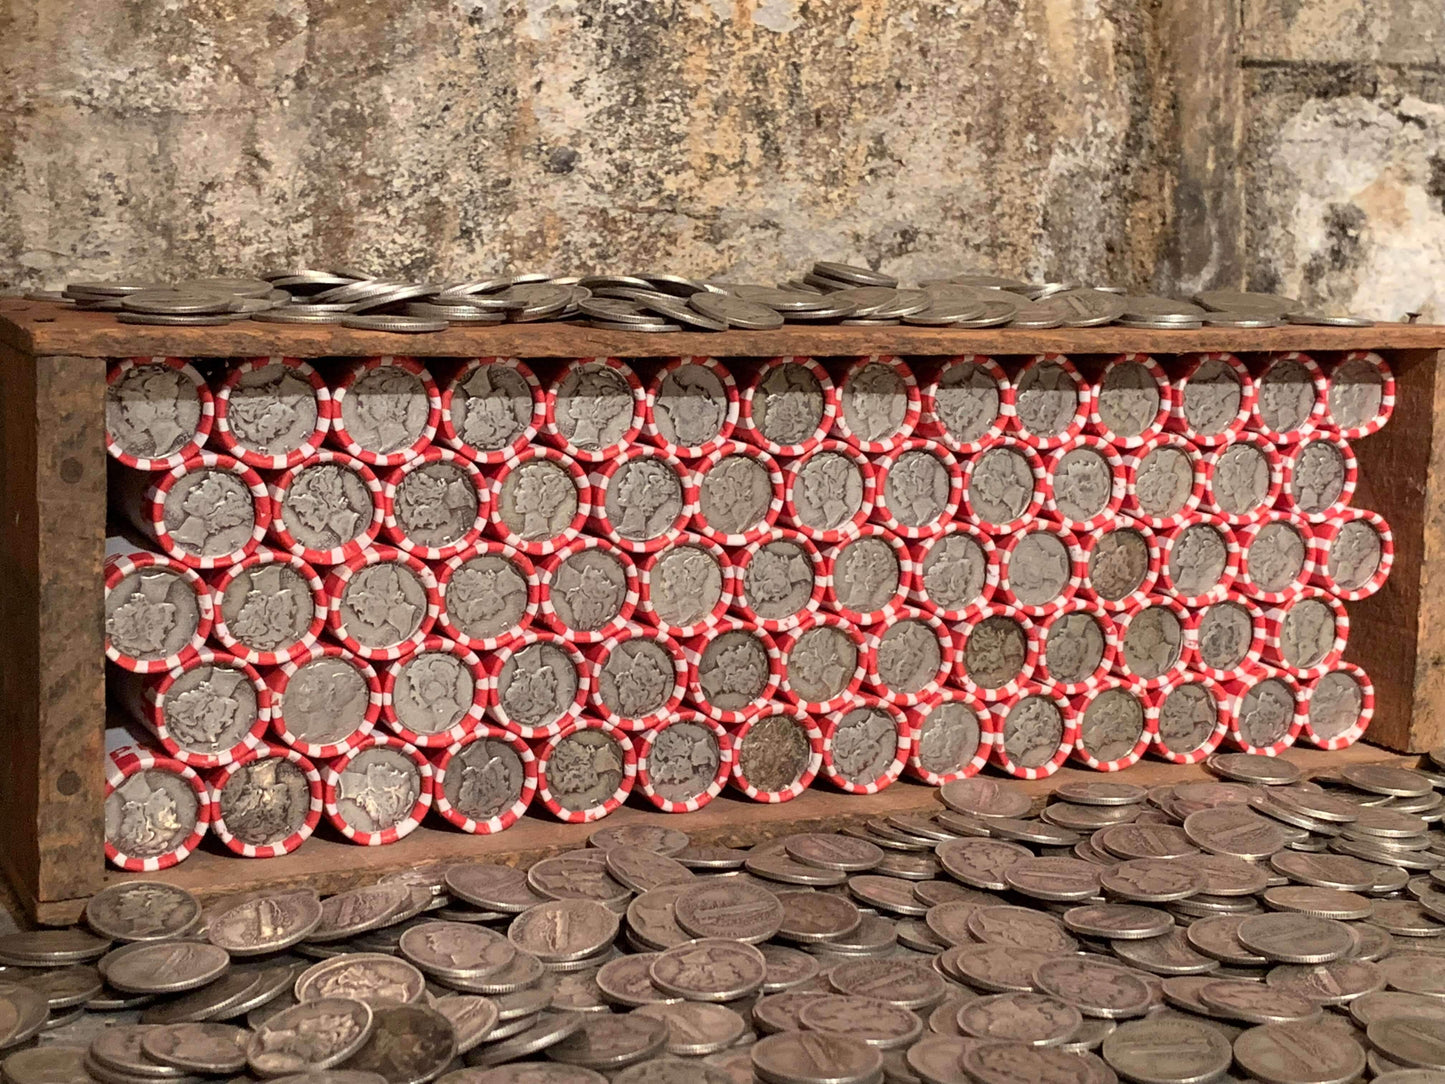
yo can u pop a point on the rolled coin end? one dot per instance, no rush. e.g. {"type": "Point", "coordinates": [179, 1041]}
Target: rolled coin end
{"type": "Point", "coordinates": [127, 785]}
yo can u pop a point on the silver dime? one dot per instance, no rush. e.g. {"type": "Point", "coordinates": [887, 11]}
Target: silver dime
{"type": "Point", "coordinates": [1167, 1050]}
{"type": "Point", "coordinates": [1241, 479]}
{"type": "Point", "coordinates": [210, 707]}
{"type": "Point", "coordinates": [1020, 1017]}
{"type": "Point", "coordinates": [685, 585]}
{"type": "Point", "coordinates": [1096, 987]}
{"type": "Point", "coordinates": [953, 572]}
{"type": "Point", "coordinates": [864, 745]}
{"type": "Point", "coordinates": [636, 678]}
{"type": "Point", "coordinates": [820, 663]}
{"type": "Point", "coordinates": [874, 402]}
{"type": "Point", "coordinates": [1197, 560]}
{"type": "Point", "coordinates": [537, 500]}
{"type": "Point", "coordinates": [733, 670]}
{"type": "Point", "coordinates": [587, 589]}
{"type": "Point", "coordinates": [491, 408]}
{"type": "Point", "coordinates": [1353, 557]}
{"type": "Point", "coordinates": [1294, 938]}
{"type": "Point", "coordinates": [1033, 731]}
{"type": "Point", "coordinates": [383, 604]}
{"type": "Point", "coordinates": [585, 769]}
{"type": "Point", "coordinates": [1112, 725]}
{"type": "Point", "coordinates": [1118, 564]}
{"type": "Point", "coordinates": [948, 738]}
{"type": "Point", "coordinates": [152, 411]}
{"type": "Point", "coordinates": [431, 692]}
{"type": "Point", "coordinates": [1285, 395]}
{"type": "Point", "coordinates": [734, 311]}
{"type": "Point", "coordinates": [1001, 486]}
{"type": "Point", "coordinates": [163, 966]}
{"type": "Point", "coordinates": [1317, 475]}
{"type": "Point", "coordinates": [374, 978]}
{"type": "Point", "coordinates": [324, 700]}
{"type": "Point", "coordinates": [484, 779]}
{"type": "Point", "coordinates": [1038, 568]}
{"type": "Point", "coordinates": [1127, 399]}
{"type": "Point", "coordinates": [1266, 713]}
{"type": "Point", "coordinates": [682, 761]}
{"type": "Point", "coordinates": [456, 950]}
{"type": "Point", "coordinates": [209, 512]}
{"type": "Point", "coordinates": [690, 406]}
{"type": "Point", "coordinates": [151, 614]}
{"type": "Point", "coordinates": [1224, 635]}
{"type": "Point", "coordinates": [644, 498]}
{"type": "Point", "coordinates": [735, 494]}
{"type": "Point", "coordinates": [898, 981]}
{"type": "Point", "coordinates": [265, 924]}
{"type": "Point", "coordinates": [1299, 1054]}
{"type": "Point", "coordinates": [1083, 483]}
{"type": "Point", "coordinates": [486, 596]}
{"type": "Point", "coordinates": [409, 1044]}
{"type": "Point", "coordinates": [778, 580]}
{"type": "Point", "coordinates": [576, 875]}
{"type": "Point", "coordinates": [774, 754]}
{"type": "Point", "coordinates": [827, 491]}
{"type": "Point", "coordinates": [267, 607]}
{"type": "Point", "coordinates": [1276, 557]}
{"type": "Point", "coordinates": [1046, 399]}
{"type": "Point", "coordinates": [537, 685]}
{"type": "Point", "coordinates": [724, 909]}
{"type": "Point", "coordinates": [326, 506]}
{"type": "Point", "coordinates": [917, 488]}
{"type": "Point", "coordinates": [308, 1037]}
{"type": "Point", "coordinates": [142, 911]}
{"type": "Point", "coordinates": [907, 656]}
{"type": "Point", "coordinates": [378, 789]}
{"type": "Point", "coordinates": [966, 400]}
{"type": "Point", "coordinates": [436, 504]}
{"type": "Point", "coordinates": [695, 1028]}
{"type": "Point", "coordinates": [271, 410]}
{"type": "Point", "coordinates": [1163, 481]}
{"type": "Point", "coordinates": [152, 813]}
{"type": "Point", "coordinates": [652, 919]}
{"type": "Point", "coordinates": [709, 969]}
{"type": "Point", "coordinates": [593, 406]}
{"type": "Point", "coordinates": [385, 409]}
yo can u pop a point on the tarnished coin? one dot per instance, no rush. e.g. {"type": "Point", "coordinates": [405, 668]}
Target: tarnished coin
{"type": "Point", "coordinates": [472, 1018]}
{"type": "Point", "coordinates": [1029, 1018]}
{"type": "Point", "coordinates": [1385, 779]}
{"type": "Point", "coordinates": [709, 969]}
{"type": "Point", "coordinates": [1054, 878]}
{"type": "Point", "coordinates": [982, 863]}
{"type": "Point", "coordinates": [163, 967]}
{"type": "Point", "coordinates": [1300, 1052]}
{"type": "Point", "coordinates": [456, 949]}
{"type": "Point", "coordinates": [1253, 768]}
{"type": "Point", "coordinates": [311, 1036]}
{"type": "Point", "coordinates": [1167, 1049]}
{"type": "Point", "coordinates": [827, 851]}
{"type": "Point", "coordinates": [1118, 921]}
{"type": "Point", "coordinates": [815, 1057]}
{"type": "Point", "coordinates": [1168, 954]}
{"type": "Point", "coordinates": [1151, 880]}
{"type": "Point", "coordinates": [1257, 1003]}
{"type": "Point", "coordinates": [1008, 1063]}
{"type": "Point", "coordinates": [1234, 830]}
{"type": "Point", "coordinates": [564, 930]}
{"type": "Point", "coordinates": [375, 978]}
{"type": "Point", "coordinates": [1296, 939]}
{"type": "Point", "coordinates": [725, 909]}
{"type": "Point", "coordinates": [46, 1065]}
{"type": "Point", "coordinates": [1144, 841]}
{"type": "Point", "coordinates": [984, 797]}
{"type": "Point", "coordinates": [347, 914]}
{"type": "Point", "coordinates": [496, 888]}
{"type": "Point", "coordinates": [816, 916]}
{"type": "Point", "coordinates": [1335, 983]}
{"type": "Point", "coordinates": [627, 981]}
{"type": "Point", "coordinates": [1101, 793]}
{"type": "Point", "coordinates": [408, 1044]}
{"type": "Point", "coordinates": [1320, 902]}
{"type": "Point", "coordinates": [898, 981]}
{"type": "Point", "coordinates": [1096, 987]}
{"type": "Point", "coordinates": [880, 1024]}
{"type": "Point", "coordinates": [577, 875]}
{"type": "Point", "coordinates": [1000, 968]}
{"type": "Point", "coordinates": [142, 911]}
{"type": "Point", "coordinates": [641, 869]}
{"type": "Point", "coordinates": [266, 924]}
{"type": "Point", "coordinates": [23, 1012]}
{"type": "Point", "coordinates": [611, 1041]}
{"type": "Point", "coordinates": [211, 1049]}
{"type": "Point", "coordinates": [695, 1028]}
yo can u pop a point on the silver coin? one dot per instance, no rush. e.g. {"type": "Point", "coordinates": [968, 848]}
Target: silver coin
{"type": "Point", "coordinates": [266, 924]}
{"type": "Point", "coordinates": [1167, 1050]}
{"type": "Point", "coordinates": [696, 1028]}
{"type": "Point", "coordinates": [537, 685]}
{"type": "Point", "coordinates": [563, 930]}
{"type": "Point", "coordinates": [142, 911]}
{"type": "Point", "coordinates": [409, 1044]}
{"type": "Point", "coordinates": [610, 1041]}
{"type": "Point", "coordinates": [455, 950]}
{"type": "Point", "coordinates": [383, 604]}
{"type": "Point", "coordinates": [374, 978]}
{"type": "Point", "coordinates": [1287, 1053]}
{"type": "Point", "coordinates": [585, 769]}
{"type": "Point", "coordinates": [735, 311]}
{"type": "Point", "coordinates": [163, 966]}
{"type": "Point", "coordinates": [788, 404]}
{"type": "Point", "coordinates": [268, 608]}
{"type": "Point", "coordinates": [1252, 768]}
{"type": "Point", "coordinates": [379, 788]}
{"type": "Point", "coordinates": [484, 779]}
{"type": "Point", "coordinates": [576, 875]}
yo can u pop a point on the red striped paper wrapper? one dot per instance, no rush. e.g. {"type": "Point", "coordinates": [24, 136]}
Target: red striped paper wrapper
{"type": "Point", "coordinates": [1036, 501]}
{"type": "Point", "coordinates": [1083, 392]}
{"type": "Point", "coordinates": [470, 720]}
{"type": "Point", "coordinates": [1224, 720]}
{"type": "Point", "coordinates": [226, 439]}
{"type": "Point", "coordinates": [932, 425]}
{"type": "Point", "coordinates": [554, 726]}
{"type": "Point", "coordinates": [1179, 423]}
{"type": "Point", "coordinates": [1325, 535]}
{"type": "Point", "coordinates": [902, 730]}
{"type": "Point", "coordinates": [1161, 416]}
{"type": "Point", "coordinates": [315, 803]}
{"type": "Point", "coordinates": [886, 515]}
{"type": "Point", "coordinates": [1197, 488]}
{"type": "Point", "coordinates": [1387, 394]}
{"type": "Point", "coordinates": [601, 480]}
{"type": "Point", "coordinates": [1232, 557]}
{"type": "Point", "coordinates": [1001, 712]}
{"type": "Point", "coordinates": [157, 686]}
{"type": "Point", "coordinates": [547, 573]}
{"type": "Point", "coordinates": [1148, 728]}
{"type": "Point", "coordinates": [758, 530]}
{"type": "Point", "coordinates": [125, 762]}
{"type": "Point", "coordinates": [447, 429]}
{"type": "Point", "coordinates": [1129, 616]}
{"type": "Point", "coordinates": [1367, 709]}
{"type": "Point", "coordinates": [1289, 459]}
{"type": "Point", "coordinates": [907, 572]}
{"type": "Point", "coordinates": [153, 511]}
{"type": "Point", "coordinates": [450, 622]}
{"type": "Point", "coordinates": [868, 487]}
{"type": "Point", "coordinates": [992, 694]}
{"type": "Point", "coordinates": [1006, 581]}
{"type": "Point", "coordinates": [1107, 629]}
{"type": "Point", "coordinates": [342, 575]}
{"type": "Point", "coordinates": [1110, 455]}
{"type": "Point", "coordinates": [508, 532]}
{"type": "Point", "coordinates": [743, 561]}
{"type": "Point", "coordinates": [119, 565]}
{"type": "Point", "coordinates": [1143, 589]}
{"type": "Point", "coordinates": [647, 786]}
{"type": "Point", "coordinates": [279, 679]}
{"type": "Point", "coordinates": [626, 751]}
{"type": "Point", "coordinates": [1249, 532]}
{"type": "Point", "coordinates": [918, 590]}
{"type": "Point", "coordinates": [1317, 411]}
{"type": "Point", "coordinates": [810, 728]}
{"type": "Point", "coordinates": [749, 432]}
{"type": "Point", "coordinates": [597, 656]}
{"type": "Point", "coordinates": [946, 650]}
{"type": "Point", "coordinates": [648, 614]}
{"type": "Point", "coordinates": [1251, 660]}
{"type": "Point", "coordinates": [479, 490]}
{"type": "Point", "coordinates": [117, 371]}
{"type": "Point", "coordinates": [1237, 690]}
{"type": "Point", "coordinates": [402, 828]}
{"type": "Point", "coordinates": [1274, 619]}
{"type": "Point", "coordinates": [911, 396]}
{"type": "Point", "coordinates": [789, 640]}
{"type": "Point", "coordinates": [280, 493]}
{"type": "Point", "coordinates": [554, 436]}
{"type": "Point", "coordinates": [221, 632]}
{"type": "Point", "coordinates": [693, 650]}
{"type": "Point", "coordinates": [340, 437]}
{"type": "Point", "coordinates": [508, 817]}
{"type": "Point", "coordinates": [654, 391]}
{"type": "Point", "coordinates": [918, 716]}
{"type": "Point", "coordinates": [1276, 479]}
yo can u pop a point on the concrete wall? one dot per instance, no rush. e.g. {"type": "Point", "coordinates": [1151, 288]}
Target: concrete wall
{"type": "Point", "coordinates": [1151, 143]}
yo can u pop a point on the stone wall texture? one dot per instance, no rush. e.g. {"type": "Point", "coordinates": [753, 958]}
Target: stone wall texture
{"type": "Point", "coordinates": [1165, 144]}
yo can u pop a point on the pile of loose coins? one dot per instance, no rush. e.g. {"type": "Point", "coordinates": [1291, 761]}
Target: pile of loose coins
{"type": "Point", "coordinates": [1255, 926]}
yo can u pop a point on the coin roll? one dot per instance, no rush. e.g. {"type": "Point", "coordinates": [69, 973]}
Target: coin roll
{"type": "Point", "coordinates": [435, 696]}
{"type": "Point", "coordinates": [492, 407]}
{"type": "Point", "coordinates": [485, 782]}
{"type": "Point", "coordinates": [158, 412]}
{"type": "Point", "coordinates": [589, 590]}
{"type": "Point", "coordinates": [1153, 641]}
{"type": "Point", "coordinates": [325, 702]}
{"type": "Point", "coordinates": [269, 607]}
{"type": "Point", "coordinates": [158, 611]}
{"type": "Point", "coordinates": [274, 813]}
{"type": "Point", "coordinates": [1226, 637]}
{"type": "Point", "coordinates": [1337, 707]}
{"type": "Point", "coordinates": [867, 578]}
{"type": "Point", "coordinates": [272, 413]}
{"type": "Point", "coordinates": [379, 792]}
{"type": "Point", "coordinates": [1359, 394]}
{"type": "Point", "coordinates": [1278, 556]}
{"type": "Point", "coordinates": [1242, 478]}
{"type": "Point", "coordinates": [878, 403]}
{"type": "Point", "coordinates": [677, 754]}
{"type": "Point", "coordinates": [1289, 398]}
{"type": "Point", "coordinates": [1307, 634]}
{"type": "Point", "coordinates": [954, 573]}
{"type": "Point", "coordinates": [639, 677]}
{"type": "Point", "coordinates": [866, 744]}
{"type": "Point", "coordinates": [1077, 644]}
{"type": "Point", "coordinates": [691, 407]}
{"type": "Point", "coordinates": [1121, 565]}
{"type": "Point", "coordinates": [1354, 552]}
{"type": "Point", "coordinates": [1037, 727]}
{"type": "Point", "coordinates": [740, 491]}
{"type": "Point", "coordinates": [209, 512]}
{"type": "Point", "coordinates": [778, 580]}
{"type": "Point", "coordinates": [327, 509]}
{"type": "Point", "coordinates": [995, 652]}
{"type": "Point", "coordinates": [1003, 485]}
{"type": "Point", "coordinates": [967, 402]}
{"type": "Point", "coordinates": [918, 490]}
{"type": "Point", "coordinates": [381, 603]}
{"type": "Point", "coordinates": [1164, 481]}
{"type": "Point", "coordinates": [829, 492]}
{"type": "Point", "coordinates": [953, 735]}
{"type": "Point", "coordinates": [1318, 476]}
{"type": "Point", "coordinates": [787, 405]}
{"type": "Point", "coordinates": [1117, 723]}
{"type": "Point", "coordinates": [734, 670]}
{"type": "Point", "coordinates": [435, 505]}
{"type": "Point", "coordinates": [207, 711]}
{"type": "Point", "coordinates": [776, 753]}
{"type": "Point", "coordinates": [139, 781]}
{"type": "Point", "coordinates": [594, 408]}
{"type": "Point", "coordinates": [1131, 400]}
{"type": "Point", "coordinates": [386, 411]}
{"type": "Point", "coordinates": [1265, 711]}
{"type": "Point", "coordinates": [540, 684]}
{"type": "Point", "coordinates": [489, 594]}
{"type": "Point", "coordinates": [1199, 560]}
{"type": "Point", "coordinates": [1191, 716]}
{"type": "Point", "coordinates": [587, 758]}
{"type": "Point", "coordinates": [1041, 568]}
{"type": "Point", "coordinates": [910, 656]}
{"type": "Point", "coordinates": [1213, 399]}
{"type": "Point", "coordinates": [1051, 401]}
{"type": "Point", "coordinates": [686, 588]}
{"type": "Point", "coordinates": [824, 663]}
{"type": "Point", "coordinates": [1084, 483]}
{"type": "Point", "coordinates": [541, 499]}
{"type": "Point", "coordinates": [642, 499]}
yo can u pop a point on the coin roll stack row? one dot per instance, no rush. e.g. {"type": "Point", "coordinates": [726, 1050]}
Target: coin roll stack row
{"type": "Point", "coordinates": [365, 591]}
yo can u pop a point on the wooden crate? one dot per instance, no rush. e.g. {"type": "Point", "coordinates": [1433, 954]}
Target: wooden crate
{"type": "Point", "coordinates": [53, 533]}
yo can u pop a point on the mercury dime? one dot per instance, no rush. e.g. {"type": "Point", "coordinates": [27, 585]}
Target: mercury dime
{"type": "Point", "coordinates": [1294, 938]}
{"type": "Point", "coordinates": [151, 614]}
{"type": "Point", "coordinates": [966, 400]}
{"type": "Point", "coordinates": [1001, 487]}
{"type": "Point", "coordinates": [326, 506]}
{"type": "Point", "coordinates": [1046, 399]}
{"type": "Point", "coordinates": [432, 691]}
{"type": "Point", "coordinates": [735, 494]}
{"type": "Point", "coordinates": [1385, 779]}
{"type": "Point", "coordinates": [47, 1065]}
{"type": "Point", "coordinates": [892, 894]}
{"type": "Point", "coordinates": [1118, 563]}
{"type": "Point", "coordinates": [152, 411]}
{"type": "Point", "coordinates": [685, 585]}
{"type": "Point", "coordinates": [778, 580]}
{"type": "Point", "coordinates": [484, 779]}
{"type": "Point", "coordinates": [1167, 1050]}
{"type": "Point", "coordinates": [1054, 878]}
{"type": "Point", "coordinates": [1029, 1018]}
{"type": "Point", "coordinates": [1234, 830]}
{"type": "Point", "coordinates": [585, 769]}
{"type": "Point", "coordinates": [1020, 927]}
{"type": "Point", "coordinates": [898, 981]}
{"type": "Point", "coordinates": [308, 1037]}
{"type": "Point", "coordinates": [152, 813]}
{"type": "Point", "coordinates": [587, 589]}
{"type": "Point", "coordinates": [164, 966]}
{"type": "Point", "coordinates": [1285, 395]}
{"type": "Point", "coordinates": [1118, 921]}
{"type": "Point", "coordinates": [651, 918]}
{"type": "Point", "coordinates": [378, 789]}
{"type": "Point", "coordinates": [1127, 400]}
{"type": "Point", "coordinates": [644, 498]}
{"type": "Point", "coordinates": [593, 406]}
{"type": "Point", "coordinates": [1145, 841]}
{"type": "Point", "coordinates": [1240, 481]}
{"type": "Point", "coordinates": [948, 738]}
{"type": "Point", "coordinates": [436, 504]}
{"type": "Point", "coordinates": [1163, 481]}
{"type": "Point", "coordinates": [690, 406]}
{"type": "Point", "coordinates": [627, 981]}
{"type": "Point", "coordinates": [696, 1028]}
{"type": "Point", "coordinates": [864, 745]}
{"type": "Point", "coordinates": [774, 754]}
{"type": "Point", "coordinates": [576, 875]}
{"type": "Point", "coordinates": [917, 488]}
{"type": "Point", "coordinates": [497, 888]}
{"type": "Point", "coordinates": [1083, 483]}
{"type": "Point", "coordinates": [984, 797]}
{"type": "Point", "coordinates": [142, 911]}
{"type": "Point", "coordinates": [1188, 716]}
{"type": "Point", "coordinates": [1033, 731]}
{"type": "Point", "coordinates": [537, 685]}
{"type": "Point", "coordinates": [727, 909]}
{"type": "Point", "coordinates": [1335, 704]}
{"type": "Point", "coordinates": [1300, 1052]}
{"type": "Point", "coordinates": [874, 402]}
{"type": "Point", "coordinates": [383, 604]}
{"type": "Point", "coordinates": [642, 869]}
{"type": "Point", "coordinates": [409, 1044]}
{"type": "Point", "coordinates": [709, 969]}
{"type": "Point", "coordinates": [266, 924]}
{"type": "Point", "coordinates": [211, 707]}
{"type": "Point", "coordinates": [1112, 725]}
{"type": "Point", "coordinates": [953, 572]}
{"type": "Point", "coordinates": [23, 1012]}
{"type": "Point", "coordinates": [385, 408]}
{"type": "Point", "coordinates": [733, 671]}
{"type": "Point", "coordinates": [456, 950]}
{"type": "Point", "coordinates": [636, 678]}
{"type": "Point", "coordinates": [1152, 880]}
{"type": "Point", "coordinates": [827, 491]}
{"type": "Point", "coordinates": [1038, 568]}
{"type": "Point", "coordinates": [1197, 559]}
{"type": "Point", "coordinates": [815, 1057]}
{"type": "Point", "coordinates": [1276, 557]}
{"type": "Point", "coordinates": [682, 762]}
{"type": "Point", "coordinates": [993, 967]}
{"type": "Point", "coordinates": [1005, 1063]}
{"type": "Point", "coordinates": [870, 1020]}
{"type": "Point", "coordinates": [537, 500]}
{"type": "Point", "coordinates": [788, 404]}
{"type": "Point", "coordinates": [491, 408]}
{"type": "Point", "coordinates": [374, 978]}
{"type": "Point", "coordinates": [995, 652]}
{"type": "Point", "coordinates": [1096, 987]}
{"type": "Point", "coordinates": [820, 663]}
{"type": "Point", "coordinates": [1224, 635]}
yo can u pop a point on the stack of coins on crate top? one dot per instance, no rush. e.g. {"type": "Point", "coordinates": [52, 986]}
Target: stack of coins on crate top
{"type": "Point", "coordinates": [367, 593]}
